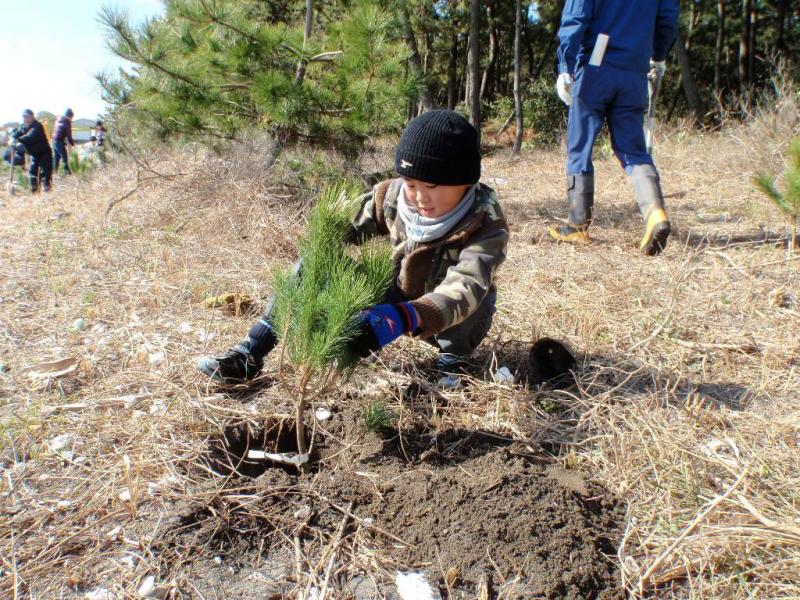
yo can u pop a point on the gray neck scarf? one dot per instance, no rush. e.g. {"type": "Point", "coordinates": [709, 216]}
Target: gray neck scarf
{"type": "Point", "coordinates": [426, 229]}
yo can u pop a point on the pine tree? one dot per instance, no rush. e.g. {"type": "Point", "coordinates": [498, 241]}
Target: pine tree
{"type": "Point", "coordinates": [789, 201]}
{"type": "Point", "coordinates": [316, 310]}
{"type": "Point", "coordinates": [209, 68]}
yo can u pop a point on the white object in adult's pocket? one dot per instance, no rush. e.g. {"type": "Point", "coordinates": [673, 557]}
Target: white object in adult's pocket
{"type": "Point", "coordinates": [596, 59]}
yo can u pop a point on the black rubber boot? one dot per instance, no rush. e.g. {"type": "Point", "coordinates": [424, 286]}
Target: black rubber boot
{"type": "Point", "coordinates": [647, 189]}
{"type": "Point", "coordinates": [232, 366]}
{"type": "Point", "coordinates": [580, 196]}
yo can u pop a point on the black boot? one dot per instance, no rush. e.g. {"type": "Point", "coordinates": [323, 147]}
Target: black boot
{"type": "Point", "coordinates": [232, 366]}
{"type": "Point", "coordinates": [245, 360]}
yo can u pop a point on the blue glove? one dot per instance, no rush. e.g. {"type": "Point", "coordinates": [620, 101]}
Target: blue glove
{"type": "Point", "coordinates": [381, 325]}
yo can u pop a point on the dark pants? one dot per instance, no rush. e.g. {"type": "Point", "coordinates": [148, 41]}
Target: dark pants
{"type": "Point", "coordinates": [41, 170]}
{"type": "Point", "coordinates": [463, 338]}
{"type": "Point", "coordinates": [60, 154]}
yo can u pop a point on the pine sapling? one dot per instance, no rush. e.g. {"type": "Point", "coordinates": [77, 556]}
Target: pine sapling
{"type": "Point", "coordinates": [317, 308]}
{"type": "Point", "coordinates": [789, 201]}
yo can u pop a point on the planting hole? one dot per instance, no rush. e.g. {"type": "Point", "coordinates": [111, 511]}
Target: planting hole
{"type": "Point", "coordinates": [228, 454]}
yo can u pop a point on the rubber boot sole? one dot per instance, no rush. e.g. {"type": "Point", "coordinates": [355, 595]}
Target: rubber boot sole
{"type": "Point", "coordinates": [656, 233]}
{"type": "Point", "coordinates": [569, 235]}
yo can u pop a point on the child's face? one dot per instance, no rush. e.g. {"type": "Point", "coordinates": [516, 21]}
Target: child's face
{"type": "Point", "coordinates": [431, 200]}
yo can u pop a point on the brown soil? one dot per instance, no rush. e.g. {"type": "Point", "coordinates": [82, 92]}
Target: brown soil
{"type": "Point", "coordinates": [469, 507]}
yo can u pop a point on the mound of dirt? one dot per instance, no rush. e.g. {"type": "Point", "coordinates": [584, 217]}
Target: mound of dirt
{"type": "Point", "coordinates": [531, 530]}
{"type": "Point", "coordinates": [467, 508]}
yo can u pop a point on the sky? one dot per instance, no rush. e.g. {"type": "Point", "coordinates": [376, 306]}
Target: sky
{"type": "Point", "coordinates": [50, 51]}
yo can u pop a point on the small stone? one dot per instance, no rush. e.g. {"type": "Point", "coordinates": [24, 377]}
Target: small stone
{"type": "Point", "coordinates": [128, 561]}
{"type": "Point", "coordinates": [218, 560]}
{"type": "Point", "coordinates": [414, 586]}
{"type": "Point", "coordinates": [322, 414]}
{"type": "Point", "coordinates": [114, 533]}
{"type": "Point", "coordinates": [303, 512]}
{"type": "Point", "coordinates": [147, 588]}
{"type": "Point", "coordinates": [503, 376]}
{"type": "Point", "coordinates": [450, 382]}
{"type": "Point", "coordinates": [79, 324]}
{"type": "Point", "coordinates": [125, 495]}
{"type": "Point", "coordinates": [60, 442]}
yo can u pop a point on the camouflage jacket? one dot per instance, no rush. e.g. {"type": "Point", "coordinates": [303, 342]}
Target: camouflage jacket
{"type": "Point", "coordinates": [445, 279]}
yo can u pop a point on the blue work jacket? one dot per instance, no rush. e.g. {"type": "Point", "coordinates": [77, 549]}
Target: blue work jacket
{"type": "Point", "coordinates": [638, 30]}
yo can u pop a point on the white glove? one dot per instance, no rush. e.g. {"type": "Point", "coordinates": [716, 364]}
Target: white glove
{"type": "Point", "coordinates": [657, 69]}
{"type": "Point", "coordinates": [564, 85]}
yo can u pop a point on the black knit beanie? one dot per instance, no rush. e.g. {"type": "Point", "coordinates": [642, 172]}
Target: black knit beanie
{"type": "Point", "coordinates": [441, 147]}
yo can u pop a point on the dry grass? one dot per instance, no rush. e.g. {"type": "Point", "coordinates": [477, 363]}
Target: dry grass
{"type": "Point", "coordinates": [686, 403]}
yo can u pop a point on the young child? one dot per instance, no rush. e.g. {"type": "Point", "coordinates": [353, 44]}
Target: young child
{"type": "Point", "coordinates": [449, 236]}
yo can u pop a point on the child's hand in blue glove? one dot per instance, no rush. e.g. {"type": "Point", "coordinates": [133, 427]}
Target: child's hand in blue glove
{"type": "Point", "coordinates": [383, 324]}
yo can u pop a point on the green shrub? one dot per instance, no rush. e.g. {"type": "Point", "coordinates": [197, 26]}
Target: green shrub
{"type": "Point", "coordinates": [79, 167]}
{"type": "Point", "coordinates": [544, 113]}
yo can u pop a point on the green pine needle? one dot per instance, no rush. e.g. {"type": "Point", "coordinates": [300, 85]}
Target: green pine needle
{"type": "Point", "coordinates": [316, 313]}
{"type": "Point", "coordinates": [788, 201]}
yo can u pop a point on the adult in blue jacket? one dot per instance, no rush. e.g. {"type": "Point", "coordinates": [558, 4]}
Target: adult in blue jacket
{"type": "Point", "coordinates": [610, 84]}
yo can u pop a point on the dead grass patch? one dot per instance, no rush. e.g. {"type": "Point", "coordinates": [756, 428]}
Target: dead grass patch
{"type": "Point", "coordinates": [685, 400]}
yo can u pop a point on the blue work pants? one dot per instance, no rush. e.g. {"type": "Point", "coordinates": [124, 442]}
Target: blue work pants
{"type": "Point", "coordinates": [607, 94]}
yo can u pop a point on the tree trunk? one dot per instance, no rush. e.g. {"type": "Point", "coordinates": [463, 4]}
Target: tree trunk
{"type": "Point", "coordinates": [474, 100]}
{"type": "Point", "coordinates": [452, 74]}
{"type": "Point", "coordinates": [529, 50]}
{"type": "Point", "coordinates": [301, 66]}
{"type": "Point", "coordinates": [690, 89]}
{"type": "Point", "coordinates": [719, 45]}
{"type": "Point", "coordinates": [780, 27]}
{"type": "Point", "coordinates": [415, 59]}
{"type": "Point", "coordinates": [744, 46]}
{"type": "Point", "coordinates": [751, 52]}
{"type": "Point", "coordinates": [517, 68]}
{"type": "Point", "coordinates": [490, 67]}
{"type": "Point", "coordinates": [547, 56]}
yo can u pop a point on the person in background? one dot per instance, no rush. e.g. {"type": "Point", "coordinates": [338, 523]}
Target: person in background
{"type": "Point", "coordinates": [605, 53]}
{"type": "Point", "coordinates": [31, 134]}
{"type": "Point", "coordinates": [62, 135]}
{"type": "Point", "coordinates": [99, 134]}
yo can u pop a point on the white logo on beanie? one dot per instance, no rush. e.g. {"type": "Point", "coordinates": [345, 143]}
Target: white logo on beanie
{"type": "Point", "coordinates": [404, 164]}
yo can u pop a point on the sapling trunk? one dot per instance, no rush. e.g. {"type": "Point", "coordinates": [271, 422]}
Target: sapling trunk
{"type": "Point", "coordinates": [300, 426]}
